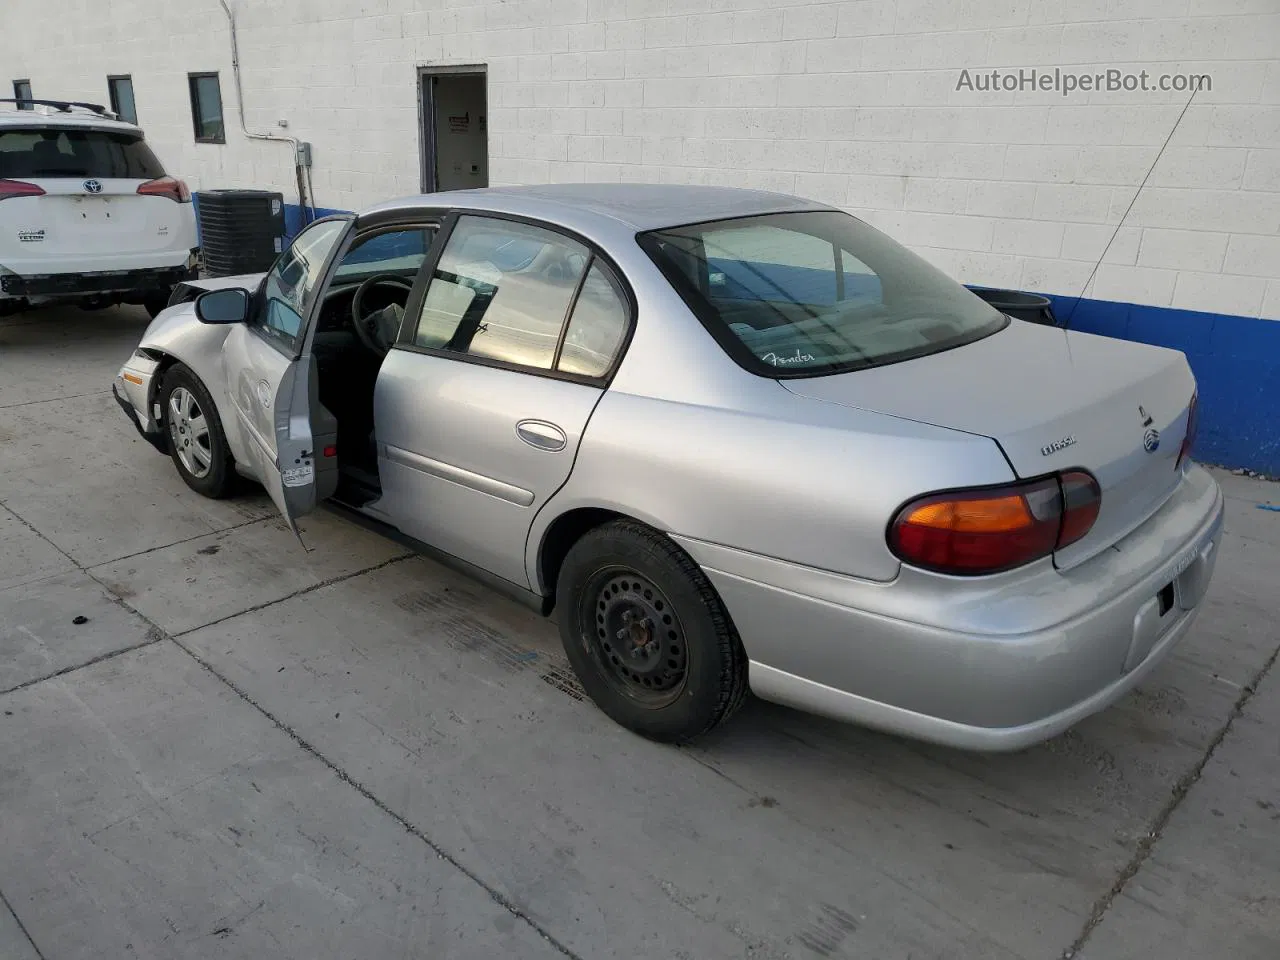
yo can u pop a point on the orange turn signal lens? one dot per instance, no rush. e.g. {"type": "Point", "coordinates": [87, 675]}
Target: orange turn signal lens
{"type": "Point", "coordinates": [132, 378]}
{"type": "Point", "coordinates": [992, 515]}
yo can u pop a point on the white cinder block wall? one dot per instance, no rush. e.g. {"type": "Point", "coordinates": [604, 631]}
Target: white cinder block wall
{"type": "Point", "coordinates": [854, 103]}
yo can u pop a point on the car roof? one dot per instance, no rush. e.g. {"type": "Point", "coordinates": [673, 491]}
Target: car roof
{"type": "Point", "coordinates": [637, 206]}
{"type": "Point", "coordinates": [77, 118]}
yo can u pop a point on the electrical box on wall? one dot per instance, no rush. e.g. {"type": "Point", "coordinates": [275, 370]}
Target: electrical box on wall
{"type": "Point", "coordinates": [304, 154]}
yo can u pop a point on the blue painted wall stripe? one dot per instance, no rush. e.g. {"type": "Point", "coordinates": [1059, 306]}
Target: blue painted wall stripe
{"type": "Point", "coordinates": [1236, 361]}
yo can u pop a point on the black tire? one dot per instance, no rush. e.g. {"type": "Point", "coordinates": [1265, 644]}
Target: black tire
{"type": "Point", "coordinates": [220, 479]}
{"type": "Point", "coordinates": [153, 303]}
{"type": "Point", "coordinates": [699, 676]}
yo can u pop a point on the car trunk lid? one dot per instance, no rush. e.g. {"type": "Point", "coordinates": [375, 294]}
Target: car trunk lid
{"type": "Point", "coordinates": [1052, 401]}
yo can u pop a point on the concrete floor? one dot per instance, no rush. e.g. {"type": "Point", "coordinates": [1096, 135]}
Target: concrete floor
{"type": "Point", "coordinates": [248, 750]}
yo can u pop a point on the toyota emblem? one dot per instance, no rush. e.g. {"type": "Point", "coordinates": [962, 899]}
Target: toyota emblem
{"type": "Point", "coordinates": [93, 186]}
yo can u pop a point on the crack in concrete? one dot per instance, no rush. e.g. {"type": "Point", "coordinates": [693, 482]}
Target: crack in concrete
{"type": "Point", "coordinates": [151, 640]}
{"type": "Point", "coordinates": [1180, 790]}
{"type": "Point", "coordinates": [155, 635]}
{"type": "Point", "coordinates": [21, 926]}
{"type": "Point", "coordinates": [165, 546]}
{"type": "Point", "coordinates": [32, 403]}
{"type": "Point", "coordinates": [301, 591]}
{"type": "Point", "coordinates": [495, 894]}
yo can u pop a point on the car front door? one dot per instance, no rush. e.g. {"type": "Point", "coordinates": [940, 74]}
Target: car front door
{"type": "Point", "coordinates": [480, 407]}
{"type": "Point", "coordinates": [268, 371]}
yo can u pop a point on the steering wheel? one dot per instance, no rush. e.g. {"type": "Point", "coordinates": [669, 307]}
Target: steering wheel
{"type": "Point", "coordinates": [368, 338]}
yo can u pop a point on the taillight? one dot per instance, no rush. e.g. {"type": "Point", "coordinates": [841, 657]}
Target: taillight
{"type": "Point", "coordinates": [972, 532]}
{"type": "Point", "coordinates": [1081, 501]}
{"type": "Point", "coordinates": [170, 187]}
{"type": "Point", "coordinates": [17, 188]}
{"type": "Point", "coordinates": [1193, 424]}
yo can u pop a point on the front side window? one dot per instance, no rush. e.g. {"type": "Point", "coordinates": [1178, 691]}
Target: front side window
{"type": "Point", "coordinates": [291, 287]}
{"type": "Point", "coordinates": [502, 291]}
{"type": "Point", "coordinates": [22, 91]}
{"type": "Point", "coordinates": [399, 252]}
{"type": "Point", "coordinates": [807, 294]}
{"type": "Point", "coordinates": [120, 92]}
{"type": "Point", "coordinates": [206, 107]}
{"type": "Point", "coordinates": [50, 152]}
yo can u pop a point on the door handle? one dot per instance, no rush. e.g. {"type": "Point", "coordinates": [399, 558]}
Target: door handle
{"type": "Point", "coordinates": [543, 435]}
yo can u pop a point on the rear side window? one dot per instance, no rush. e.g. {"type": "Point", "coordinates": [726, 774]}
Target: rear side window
{"type": "Point", "coordinates": [103, 154]}
{"type": "Point", "coordinates": [597, 326]}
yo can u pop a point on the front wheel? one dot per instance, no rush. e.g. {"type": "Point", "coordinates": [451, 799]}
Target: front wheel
{"type": "Point", "coordinates": [647, 634]}
{"type": "Point", "coordinates": [196, 441]}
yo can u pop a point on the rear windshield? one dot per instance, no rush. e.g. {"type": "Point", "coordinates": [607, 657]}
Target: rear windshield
{"type": "Point", "coordinates": [29, 154]}
{"type": "Point", "coordinates": [806, 294]}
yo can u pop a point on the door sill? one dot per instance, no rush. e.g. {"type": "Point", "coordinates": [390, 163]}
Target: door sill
{"type": "Point", "coordinates": [373, 522]}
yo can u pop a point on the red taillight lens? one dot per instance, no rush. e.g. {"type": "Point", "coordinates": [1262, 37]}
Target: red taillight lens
{"type": "Point", "coordinates": [972, 532]}
{"type": "Point", "coordinates": [1193, 425]}
{"type": "Point", "coordinates": [170, 187]}
{"type": "Point", "coordinates": [16, 188]}
{"type": "Point", "coordinates": [1081, 501]}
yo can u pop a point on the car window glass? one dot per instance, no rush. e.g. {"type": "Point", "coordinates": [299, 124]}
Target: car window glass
{"type": "Point", "coordinates": [76, 153]}
{"type": "Point", "coordinates": [816, 292]}
{"type": "Point", "coordinates": [501, 291]}
{"type": "Point", "coordinates": [397, 252]}
{"type": "Point", "coordinates": [291, 286]}
{"type": "Point", "coordinates": [597, 326]}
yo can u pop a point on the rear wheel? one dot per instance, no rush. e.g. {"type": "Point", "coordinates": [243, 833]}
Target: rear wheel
{"type": "Point", "coordinates": [196, 441]}
{"type": "Point", "coordinates": [647, 634]}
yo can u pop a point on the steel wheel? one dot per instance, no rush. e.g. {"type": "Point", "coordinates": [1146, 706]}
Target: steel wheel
{"type": "Point", "coordinates": [639, 640]}
{"type": "Point", "coordinates": [189, 433]}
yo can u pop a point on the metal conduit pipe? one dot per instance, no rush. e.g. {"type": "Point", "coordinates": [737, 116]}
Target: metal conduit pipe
{"type": "Point", "coordinates": [305, 202]}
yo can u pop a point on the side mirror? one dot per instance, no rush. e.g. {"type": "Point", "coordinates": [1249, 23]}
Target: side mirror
{"type": "Point", "coordinates": [223, 306]}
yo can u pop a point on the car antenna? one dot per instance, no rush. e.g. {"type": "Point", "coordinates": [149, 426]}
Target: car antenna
{"type": "Point", "coordinates": [1066, 324]}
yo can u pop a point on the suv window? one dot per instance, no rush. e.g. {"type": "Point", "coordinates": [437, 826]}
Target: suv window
{"type": "Point", "coordinates": [807, 294]}
{"type": "Point", "coordinates": [40, 153]}
{"type": "Point", "coordinates": [502, 291]}
{"type": "Point", "coordinates": [292, 285]}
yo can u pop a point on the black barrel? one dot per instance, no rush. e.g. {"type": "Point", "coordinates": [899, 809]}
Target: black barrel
{"type": "Point", "coordinates": [1024, 306]}
{"type": "Point", "coordinates": [241, 231]}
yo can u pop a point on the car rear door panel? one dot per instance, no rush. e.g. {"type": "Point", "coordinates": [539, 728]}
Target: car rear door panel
{"type": "Point", "coordinates": [468, 453]}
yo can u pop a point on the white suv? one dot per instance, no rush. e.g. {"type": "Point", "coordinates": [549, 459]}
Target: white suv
{"type": "Point", "coordinates": [87, 213]}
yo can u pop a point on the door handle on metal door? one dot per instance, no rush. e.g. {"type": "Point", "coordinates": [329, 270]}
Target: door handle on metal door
{"type": "Point", "coordinates": [543, 435]}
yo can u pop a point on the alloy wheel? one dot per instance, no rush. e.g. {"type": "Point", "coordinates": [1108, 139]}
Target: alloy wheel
{"type": "Point", "coordinates": [189, 433]}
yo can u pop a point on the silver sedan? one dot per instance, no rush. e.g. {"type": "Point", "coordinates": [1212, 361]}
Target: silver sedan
{"type": "Point", "coordinates": [730, 439]}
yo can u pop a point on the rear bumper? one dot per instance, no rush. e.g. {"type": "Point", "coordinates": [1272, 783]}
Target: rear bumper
{"type": "Point", "coordinates": [88, 284]}
{"type": "Point", "coordinates": [993, 663]}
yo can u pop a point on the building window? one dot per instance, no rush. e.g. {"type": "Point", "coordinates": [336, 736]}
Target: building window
{"type": "Point", "coordinates": [206, 107]}
{"type": "Point", "coordinates": [120, 90]}
{"type": "Point", "coordinates": [22, 91]}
